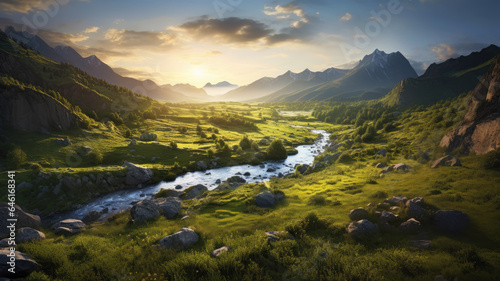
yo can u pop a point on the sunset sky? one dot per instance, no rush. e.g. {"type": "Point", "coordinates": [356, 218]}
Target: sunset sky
{"type": "Point", "coordinates": [200, 41]}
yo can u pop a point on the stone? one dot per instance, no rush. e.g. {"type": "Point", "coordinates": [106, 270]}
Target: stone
{"type": "Point", "coordinates": [217, 252]}
{"type": "Point", "coordinates": [132, 143]}
{"type": "Point", "coordinates": [396, 200]}
{"type": "Point", "coordinates": [271, 170]}
{"type": "Point", "coordinates": [178, 187]}
{"type": "Point", "coordinates": [136, 174]}
{"type": "Point", "coordinates": [380, 166]}
{"type": "Point", "coordinates": [259, 155]}
{"type": "Point", "coordinates": [420, 244]}
{"type": "Point", "coordinates": [265, 200]}
{"type": "Point", "coordinates": [69, 223]}
{"type": "Point", "coordinates": [247, 174]}
{"type": "Point", "coordinates": [419, 201]}
{"type": "Point", "coordinates": [448, 160]}
{"type": "Point", "coordinates": [362, 229]}
{"type": "Point", "coordinates": [387, 169]}
{"type": "Point", "coordinates": [84, 150]}
{"type": "Point", "coordinates": [317, 166]}
{"type": "Point", "coordinates": [169, 207]}
{"type": "Point", "coordinates": [332, 158]}
{"type": "Point", "coordinates": [184, 238]}
{"type": "Point", "coordinates": [24, 185]}
{"type": "Point", "coordinates": [4, 243]}
{"type": "Point", "coordinates": [26, 234]}
{"type": "Point", "coordinates": [24, 219]}
{"type": "Point", "coordinates": [231, 183]}
{"type": "Point", "coordinates": [388, 217]}
{"type": "Point", "coordinates": [144, 210]}
{"type": "Point", "coordinates": [394, 208]}
{"type": "Point", "coordinates": [93, 216]}
{"type": "Point", "coordinates": [148, 137]}
{"type": "Point", "coordinates": [273, 236]}
{"type": "Point", "coordinates": [382, 152]}
{"type": "Point", "coordinates": [202, 165]}
{"type": "Point", "coordinates": [302, 169]}
{"type": "Point", "coordinates": [24, 264]}
{"type": "Point", "coordinates": [410, 226]}
{"type": "Point", "coordinates": [358, 214]}
{"type": "Point", "coordinates": [64, 142]}
{"type": "Point", "coordinates": [386, 227]}
{"type": "Point", "coordinates": [402, 167]}
{"type": "Point", "coordinates": [66, 231]}
{"type": "Point", "coordinates": [453, 222]}
{"type": "Point", "coordinates": [193, 192]}
{"type": "Point", "coordinates": [415, 211]}
{"type": "Point", "coordinates": [279, 196]}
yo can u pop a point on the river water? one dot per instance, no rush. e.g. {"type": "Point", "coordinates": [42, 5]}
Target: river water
{"type": "Point", "coordinates": [122, 200]}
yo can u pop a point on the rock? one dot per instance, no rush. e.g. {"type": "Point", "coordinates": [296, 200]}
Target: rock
{"type": "Point", "coordinates": [66, 231]}
{"type": "Point", "coordinates": [383, 206]}
{"type": "Point", "coordinates": [273, 236]}
{"type": "Point", "coordinates": [279, 196]}
{"type": "Point", "coordinates": [396, 200]}
{"type": "Point", "coordinates": [386, 227]}
{"type": "Point", "coordinates": [358, 214]}
{"type": "Point", "coordinates": [132, 143]}
{"type": "Point", "coordinates": [218, 181]}
{"type": "Point", "coordinates": [24, 219]}
{"type": "Point", "coordinates": [69, 223]}
{"type": "Point", "coordinates": [148, 137]}
{"type": "Point", "coordinates": [317, 166]}
{"type": "Point", "coordinates": [202, 165]}
{"type": "Point", "coordinates": [380, 166]}
{"type": "Point", "coordinates": [184, 238]}
{"type": "Point", "coordinates": [247, 174]}
{"type": "Point", "coordinates": [388, 217]}
{"type": "Point", "coordinates": [84, 150]}
{"type": "Point", "coordinates": [479, 131]}
{"type": "Point", "coordinates": [453, 222]}
{"type": "Point", "coordinates": [420, 244]}
{"type": "Point", "coordinates": [4, 243]}
{"type": "Point", "coordinates": [302, 169]}
{"type": "Point", "coordinates": [24, 185]}
{"type": "Point", "coordinates": [382, 152]}
{"type": "Point", "coordinates": [170, 207]}
{"type": "Point", "coordinates": [415, 211]}
{"type": "Point", "coordinates": [402, 167]}
{"type": "Point", "coordinates": [447, 160]}
{"type": "Point", "coordinates": [410, 226]}
{"type": "Point", "coordinates": [394, 208]}
{"type": "Point", "coordinates": [387, 169]}
{"type": "Point", "coordinates": [178, 187]}
{"type": "Point", "coordinates": [64, 142]}
{"type": "Point", "coordinates": [153, 159]}
{"type": "Point", "coordinates": [271, 170]}
{"type": "Point", "coordinates": [193, 192]}
{"type": "Point", "coordinates": [265, 200]}
{"type": "Point", "coordinates": [144, 210]}
{"type": "Point", "coordinates": [323, 255]}
{"type": "Point", "coordinates": [263, 142]}
{"type": "Point", "coordinates": [419, 201]}
{"type": "Point", "coordinates": [361, 229]}
{"type": "Point", "coordinates": [93, 216]}
{"type": "Point", "coordinates": [217, 252]}
{"type": "Point", "coordinates": [259, 155]}
{"type": "Point", "coordinates": [26, 234]}
{"type": "Point", "coordinates": [332, 158]}
{"type": "Point", "coordinates": [24, 264]}
{"type": "Point", "coordinates": [231, 183]}
{"type": "Point", "coordinates": [136, 174]}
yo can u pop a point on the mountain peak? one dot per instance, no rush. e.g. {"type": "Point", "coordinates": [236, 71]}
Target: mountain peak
{"type": "Point", "coordinates": [220, 84]}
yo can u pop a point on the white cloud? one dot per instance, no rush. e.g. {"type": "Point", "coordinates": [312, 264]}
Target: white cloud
{"type": "Point", "coordinates": [284, 12]}
{"type": "Point", "coordinates": [346, 17]}
{"type": "Point", "coordinates": [444, 51]}
{"type": "Point", "coordinates": [91, 29]}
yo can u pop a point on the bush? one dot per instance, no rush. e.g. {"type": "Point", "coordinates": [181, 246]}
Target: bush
{"type": "Point", "coordinates": [276, 151]}
{"type": "Point", "coordinates": [36, 167]}
{"type": "Point", "coordinates": [95, 157]}
{"type": "Point", "coordinates": [128, 133]}
{"type": "Point", "coordinates": [245, 143]}
{"type": "Point", "coordinates": [173, 145]}
{"type": "Point", "coordinates": [17, 157]}
{"type": "Point", "coordinates": [492, 160]}
{"type": "Point", "coordinates": [345, 158]}
{"type": "Point", "coordinates": [317, 200]}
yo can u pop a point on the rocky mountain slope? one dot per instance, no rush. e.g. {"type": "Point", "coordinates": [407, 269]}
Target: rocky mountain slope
{"type": "Point", "coordinates": [479, 132]}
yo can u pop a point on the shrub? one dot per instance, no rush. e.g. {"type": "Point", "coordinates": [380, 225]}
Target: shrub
{"type": "Point", "coordinates": [173, 145]}
{"type": "Point", "coordinates": [255, 146]}
{"type": "Point", "coordinates": [95, 157]}
{"type": "Point", "coordinates": [492, 160]}
{"type": "Point", "coordinates": [379, 194]}
{"type": "Point", "coordinates": [318, 200]}
{"type": "Point", "coordinates": [17, 157]}
{"type": "Point", "coordinates": [36, 167]}
{"type": "Point", "coordinates": [276, 151]}
{"type": "Point", "coordinates": [128, 133]}
{"type": "Point", "coordinates": [245, 143]}
{"type": "Point", "coordinates": [210, 153]}
{"type": "Point", "coordinates": [345, 158]}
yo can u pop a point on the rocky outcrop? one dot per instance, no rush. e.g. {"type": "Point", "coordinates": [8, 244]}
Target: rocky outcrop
{"type": "Point", "coordinates": [184, 238]}
{"type": "Point", "coordinates": [136, 174]}
{"type": "Point", "coordinates": [448, 160]}
{"type": "Point", "coordinates": [33, 111]}
{"type": "Point", "coordinates": [265, 200]}
{"type": "Point", "coordinates": [479, 132]}
{"type": "Point", "coordinates": [24, 219]}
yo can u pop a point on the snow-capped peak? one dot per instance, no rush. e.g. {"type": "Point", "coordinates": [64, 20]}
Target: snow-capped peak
{"type": "Point", "coordinates": [93, 60]}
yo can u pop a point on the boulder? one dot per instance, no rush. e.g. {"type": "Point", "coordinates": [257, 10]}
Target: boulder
{"type": "Point", "coordinates": [279, 196]}
{"type": "Point", "coordinates": [24, 219]}
{"type": "Point", "coordinates": [144, 210]}
{"type": "Point", "coordinates": [73, 225]}
{"type": "Point", "coordinates": [380, 166]}
{"type": "Point", "coordinates": [231, 183]}
{"type": "Point", "coordinates": [362, 229]}
{"type": "Point", "coordinates": [84, 150]}
{"type": "Point", "coordinates": [193, 192]}
{"type": "Point", "coordinates": [64, 142]}
{"type": "Point", "coordinates": [148, 137]}
{"type": "Point", "coordinates": [259, 155]}
{"type": "Point", "coordinates": [402, 167]}
{"type": "Point", "coordinates": [24, 185]}
{"type": "Point", "coordinates": [217, 252]}
{"type": "Point", "coordinates": [396, 200]}
{"type": "Point", "coordinates": [387, 169]}
{"type": "Point", "coordinates": [132, 143]}
{"type": "Point", "coordinates": [93, 216]}
{"type": "Point", "coordinates": [382, 152]}
{"type": "Point", "coordinates": [388, 217]}
{"type": "Point", "coordinates": [273, 236]}
{"type": "Point", "coordinates": [332, 158]}
{"type": "Point", "coordinates": [265, 200]}
{"type": "Point", "coordinates": [419, 201]}
{"type": "Point", "coordinates": [317, 166]}
{"type": "Point", "coordinates": [66, 231]}
{"type": "Point", "coordinates": [302, 169]}
{"type": "Point", "coordinates": [178, 187]}
{"type": "Point", "coordinates": [4, 243]}
{"type": "Point", "coordinates": [136, 174]}
{"type": "Point", "coordinates": [271, 170]}
{"type": "Point", "coordinates": [420, 244]}
{"type": "Point", "coordinates": [415, 211]}
{"type": "Point", "coordinates": [26, 234]}
{"type": "Point", "coordinates": [410, 226]}
{"type": "Point", "coordinates": [24, 264]}
{"type": "Point", "coordinates": [452, 222]}
{"type": "Point", "coordinates": [169, 207]}
{"type": "Point", "coordinates": [448, 160]}
{"type": "Point", "coordinates": [201, 165]}
{"type": "Point", "coordinates": [184, 238]}
{"type": "Point", "coordinates": [358, 214]}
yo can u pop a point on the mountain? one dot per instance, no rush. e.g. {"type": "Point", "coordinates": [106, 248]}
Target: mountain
{"type": "Point", "coordinates": [219, 89]}
{"type": "Point", "coordinates": [188, 90]}
{"type": "Point", "coordinates": [38, 94]}
{"type": "Point", "coordinates": [374, 73]}
{"type": "Point", "coordinates": [445, 80]}
{"type": "Point", "coordinates": [95, 67]}
{"type": "Point", "coordinates": [269, 89]}
{"type": "Point", "coordinates": [480, 130]}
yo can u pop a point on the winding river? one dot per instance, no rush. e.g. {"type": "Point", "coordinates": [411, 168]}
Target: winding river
{"type": "Point", "coordinates": [122, 200]}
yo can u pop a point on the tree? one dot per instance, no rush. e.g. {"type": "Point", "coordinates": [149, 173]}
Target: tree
{"type": "Point", "coordinates": [276, 151]}
{"type": "Point", "coordinates": [245, 143]}
{"type": "Point", "coordinates": [173, 144]}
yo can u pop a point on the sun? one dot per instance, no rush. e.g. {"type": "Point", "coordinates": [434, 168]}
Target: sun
{"type": "Point", "coordinates": [198, 72]}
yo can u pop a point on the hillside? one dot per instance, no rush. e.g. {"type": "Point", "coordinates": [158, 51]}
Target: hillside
{"type": "Point", "coordinates": [445, 80]}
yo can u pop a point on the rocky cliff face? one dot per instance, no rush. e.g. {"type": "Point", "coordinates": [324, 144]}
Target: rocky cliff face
{"type": "Point", "coordinates": [480, 129]}
{"type": "Point", "coordinates": [33, 112]}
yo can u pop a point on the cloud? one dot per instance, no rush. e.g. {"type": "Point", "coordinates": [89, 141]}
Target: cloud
{"type": "Point", "coordinates": [284, 12]}
{"type": "Point", "coordinates": [130, 39]}
{"type": "Point", "coordinates": [25, 6]}
{"type": "Point", "coordinates": [446, 51]}
{"type": "Point", "coordinates": [91, 29]}
{"type": "Point", "coordinates": [139, 73]}
{"type": "Point", "coordinates": [346, 17]}
{"type": "Point", "coordinates": [234, 30]}
{"type": "Point", "coordinates": [212, 53]}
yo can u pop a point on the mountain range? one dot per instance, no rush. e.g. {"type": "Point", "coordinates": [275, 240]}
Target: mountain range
{"type": "Point", "coordinates": [219, 89]}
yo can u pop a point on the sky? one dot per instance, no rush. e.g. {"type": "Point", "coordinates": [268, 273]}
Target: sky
{"type": "Point", "coordinates": [200, 41]}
